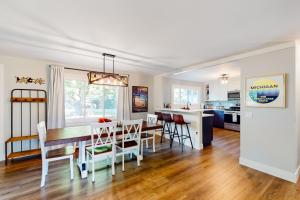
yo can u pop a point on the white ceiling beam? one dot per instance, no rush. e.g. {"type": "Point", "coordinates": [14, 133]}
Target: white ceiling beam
{"type": "Point", "coordinates": [72, 46]}
{"type": "Point", "coordinates": [231, 58]}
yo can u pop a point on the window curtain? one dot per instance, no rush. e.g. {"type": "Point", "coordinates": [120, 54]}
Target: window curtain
{"type": "Point", "coordinates": [123, 112]}
{"type": "Point", "coordinates": [56, 103]}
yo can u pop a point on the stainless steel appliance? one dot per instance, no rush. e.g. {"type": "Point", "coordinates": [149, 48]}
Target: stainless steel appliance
{"type": "Point", "coordinates": [233, 95]}
{"type": "Point", "coordinates": [232, 119]}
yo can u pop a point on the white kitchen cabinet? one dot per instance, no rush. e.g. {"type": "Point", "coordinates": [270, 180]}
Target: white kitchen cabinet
{"type": "Point", "coordinates": [234, 84]}
{"type": "Point", "coordinates": [218, 91]}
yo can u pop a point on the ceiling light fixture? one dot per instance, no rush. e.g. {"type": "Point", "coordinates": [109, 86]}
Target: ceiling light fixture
{"type": "Point", "coordinates": [104, 78]}
{"type": "Point", "coordinates": [224, 79]}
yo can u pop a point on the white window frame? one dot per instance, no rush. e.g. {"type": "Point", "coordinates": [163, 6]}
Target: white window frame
{"type": "Point", "coordinates": [81, 76]}
{"type": "Point", "coordinates": [193, 106]}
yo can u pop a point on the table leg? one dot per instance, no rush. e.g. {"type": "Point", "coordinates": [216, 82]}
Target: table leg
{"type": "Point", "coordinates": [81, 161]}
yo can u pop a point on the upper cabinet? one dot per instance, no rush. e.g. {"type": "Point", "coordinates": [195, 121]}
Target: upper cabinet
{"type": "Point", "coordinates": [218, 91]}
{"type": "Point", "coordinates": [234, 84]}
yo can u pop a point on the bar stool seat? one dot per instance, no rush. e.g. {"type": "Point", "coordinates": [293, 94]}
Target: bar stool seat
{"type": "Point", "coordinates": [179, 120]}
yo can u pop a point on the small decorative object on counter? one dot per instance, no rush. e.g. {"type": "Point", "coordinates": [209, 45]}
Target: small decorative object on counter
{"type": "Point", "coordinates": [27, 80]}
{"type": "Point", "coordinates": [167, 105]}
{"type": "Point", "coordinates": [103, 120]}
{"type": "Point", "coordinates": [119, 124]}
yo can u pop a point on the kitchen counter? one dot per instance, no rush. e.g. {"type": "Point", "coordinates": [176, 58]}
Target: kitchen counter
{"type": "Point", "coordinates": [187, 111]}
{"type": "Point", "coordinates": [181, 110]}
{"type": "Point", "coordinates": [207, 115]}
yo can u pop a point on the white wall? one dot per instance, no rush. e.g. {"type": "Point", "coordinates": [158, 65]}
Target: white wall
{"type": "Point", "coordinates": [136, 79]}
{"type": "Point", "coordinates": [268, 135]}
{"type": "Point", "coordinates": [20, 67]}
{"type": "Point", "coordinates": [297, 92]}
{"type": "Point", "coordinates": [2, 137]}
{"type": "Point", "coordinates": [15, 66]}
{"type": "Point", "coordinates": [158, 92]}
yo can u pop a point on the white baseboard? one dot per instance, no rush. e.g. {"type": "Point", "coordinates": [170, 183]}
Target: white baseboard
{"type": "Point", "coordinates": [283, 174]}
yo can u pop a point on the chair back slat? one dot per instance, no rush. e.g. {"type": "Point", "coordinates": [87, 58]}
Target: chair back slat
{"type": "Point", "coordinates": [41, 127]}
{"type": "Point", "coordinates": [103, 134]}
{"type": "Point", "coordinates": [131, 130]}
{"type": "Point", "coordinates": [152, 118]}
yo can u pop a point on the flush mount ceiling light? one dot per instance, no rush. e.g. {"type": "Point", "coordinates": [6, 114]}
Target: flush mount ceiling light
{"type": "Point", "coordinates": [224, 78]}
{"type": "Point", "coordinates": [104, 78]}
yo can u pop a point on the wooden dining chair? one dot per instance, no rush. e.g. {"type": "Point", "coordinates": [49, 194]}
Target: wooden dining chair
{"type": "Point", "coordinates": [103, 141]}
{"type": "Point", "coordinates": [131, 139]}
{"type": "Point", "coordinates": [50, 154]}
{"type": "Point", "coordinates": [146, 136]}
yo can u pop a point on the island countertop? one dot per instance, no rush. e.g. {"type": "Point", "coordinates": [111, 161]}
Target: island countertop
{"type": "Point", "coordinates": [181, 110]}
{"type": "Point", "coordinates": [185, 111]}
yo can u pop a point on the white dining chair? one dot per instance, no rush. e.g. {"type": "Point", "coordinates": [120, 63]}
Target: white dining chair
{"type": "Point", "coordinates": [131, 139]}
{"type": "Point", "coordinates": [147, 136]}
{"type": "Point", "coordinates": [50, 154]}
{"type": "Point", "coordinates": [103, 140]}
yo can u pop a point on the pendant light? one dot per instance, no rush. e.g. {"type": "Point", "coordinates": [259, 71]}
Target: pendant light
{"type": "Point", "coordinates": [224, 79]}
{"type": "Point", "coordinates": [105, 78]}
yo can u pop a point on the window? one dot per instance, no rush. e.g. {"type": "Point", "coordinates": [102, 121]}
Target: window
{"type": "Point", "coordinates": [183, 96]}
{"type": "Point", "coordinates": [85, 103]}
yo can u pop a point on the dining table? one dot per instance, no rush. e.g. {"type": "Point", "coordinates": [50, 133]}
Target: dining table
{"type": "Point", "coordinates": [81, 135]}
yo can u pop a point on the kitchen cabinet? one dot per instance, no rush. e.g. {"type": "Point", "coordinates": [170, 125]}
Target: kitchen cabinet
{"type": "Point", "coordinates": [207, 130]}
{"type": "Point", "coordinates": [218, 91]}
{"type": "Point", "coordinates": [219, 118]}
{"type": "Point", "coordinates": [234, 85]}
{"type": "Point", "coordinates": [218, 121]}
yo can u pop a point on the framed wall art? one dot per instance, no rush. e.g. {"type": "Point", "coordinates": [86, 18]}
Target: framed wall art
{"type": "Point", "coordinates": [266, 91]}
{"type": "Point", "coordinates": [139, 99]}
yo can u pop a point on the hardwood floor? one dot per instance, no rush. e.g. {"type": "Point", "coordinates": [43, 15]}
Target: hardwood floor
{"type": "Point", "coordinates": [213, 173]}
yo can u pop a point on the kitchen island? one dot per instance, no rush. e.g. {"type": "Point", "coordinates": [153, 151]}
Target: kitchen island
{"type": "Point", "coordinates": [195, 117]}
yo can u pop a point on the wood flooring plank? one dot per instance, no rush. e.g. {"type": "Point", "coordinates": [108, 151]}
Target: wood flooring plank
{"type": "Point", "coordinates": [213, 173]}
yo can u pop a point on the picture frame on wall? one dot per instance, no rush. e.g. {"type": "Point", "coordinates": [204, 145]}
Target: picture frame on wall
{"type": "Point", "coordinates": [266, 91]}
{"type": "Point", "coordinates": [139, 99]}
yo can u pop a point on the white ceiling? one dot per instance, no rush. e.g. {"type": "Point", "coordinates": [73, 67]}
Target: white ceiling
{"type": "Point", "coordinates": [149, 36]}
{"type": "Point", "coordinates": [207, 74]}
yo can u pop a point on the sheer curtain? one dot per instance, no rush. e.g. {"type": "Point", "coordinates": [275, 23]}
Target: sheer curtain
{"type": "Point", "coordinates": [123, 112]}
{"type": "Point", "coordinates": [56, 102]}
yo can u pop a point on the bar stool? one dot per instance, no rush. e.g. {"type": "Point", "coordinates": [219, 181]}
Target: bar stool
{"type": "Point", "coordinates": [168, 128]}
{"type": "Point", "coordinates": [161, 121]}
{"type": "Point", "coordinates": [178, 120]}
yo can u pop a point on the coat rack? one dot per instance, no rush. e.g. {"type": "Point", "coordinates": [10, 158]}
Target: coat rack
{"type": "Point", "coordinates": [31, 103]}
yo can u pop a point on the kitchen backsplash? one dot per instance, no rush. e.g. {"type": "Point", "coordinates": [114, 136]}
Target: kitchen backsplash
{"type": "Point", "coordinates": [224, 104]}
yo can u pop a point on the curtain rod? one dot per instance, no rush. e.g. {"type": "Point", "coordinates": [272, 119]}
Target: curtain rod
{"type": "Point", "coordinates": [75, 69]}
{"type": "Point", "coordinates": [83, 70]}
